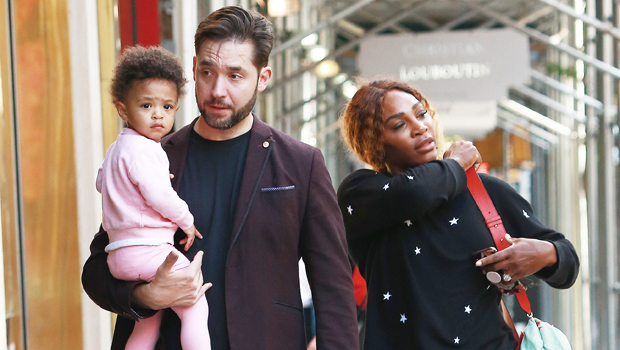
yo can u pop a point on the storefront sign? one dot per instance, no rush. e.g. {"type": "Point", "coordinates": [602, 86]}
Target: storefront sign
{"type": "Point", "coordinates": [450, 66]}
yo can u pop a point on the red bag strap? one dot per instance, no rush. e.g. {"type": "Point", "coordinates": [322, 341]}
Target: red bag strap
{"type": "Point", "coordinates": [494, 223]}
{"type": "Point", "coordinates": [508, 319]}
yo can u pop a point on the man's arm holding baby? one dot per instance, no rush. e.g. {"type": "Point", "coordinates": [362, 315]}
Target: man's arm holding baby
{"type": "Point", "coordinates": [139, 299]}
{"type": "Point", "coordinates": [170, 287]}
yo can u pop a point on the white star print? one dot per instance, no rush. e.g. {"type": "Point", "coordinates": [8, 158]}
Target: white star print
{"type": "Point", "coordinates": [525, 214]}
{"type": "Point", "coordinates": [350, 210]}
{"type": "Point", "coordinates": [408, 222]}
{"type": "Point", "coordinates": [403, 319]}
{"type": "Point", "coordinates": [454, 221]}
{"type": "Point", "coordinates": [417, 250]}
{"type": "Point", "coordinates": [410, 177]}
{"type": "Point", "coordinates": [468, 309]}
{"type": "Point", "coordinates": [387, 296]}
{"type": "Point", "coordinates": [456, 340]}
{"type": "Point", "coordinates": [386, 187]}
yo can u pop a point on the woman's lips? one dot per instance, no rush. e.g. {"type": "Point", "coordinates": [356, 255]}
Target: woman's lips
{"type": "Point", "coordinates": [426, 144]}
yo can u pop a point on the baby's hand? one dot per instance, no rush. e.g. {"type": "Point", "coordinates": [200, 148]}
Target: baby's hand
{"type": "Point", "coordinates": [191, 234]}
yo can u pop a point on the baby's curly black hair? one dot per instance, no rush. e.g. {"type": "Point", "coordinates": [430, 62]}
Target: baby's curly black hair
{"type": "Point", "coordinates": [139, 63]}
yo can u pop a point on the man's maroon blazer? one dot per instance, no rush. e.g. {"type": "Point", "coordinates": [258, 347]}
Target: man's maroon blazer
{"type": "Point", "coordinates": [286, 209]}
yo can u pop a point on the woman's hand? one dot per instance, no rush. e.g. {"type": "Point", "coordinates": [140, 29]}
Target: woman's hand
{"type": "Point", "coordinates": [465, 153]}
{"type": "Point", "coordinates": [524, 257]}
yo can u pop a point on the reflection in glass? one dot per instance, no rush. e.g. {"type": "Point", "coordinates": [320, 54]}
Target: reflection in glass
{"type": "Point", "coordinates": [47, 174]}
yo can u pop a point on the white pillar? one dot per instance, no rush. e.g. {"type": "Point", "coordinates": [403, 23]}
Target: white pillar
{"type": "Point", "coordinates": [184, 27]}
{"type": "Point", "coordinates": [88, 140]}
{"type": "Point", "coordinates": [607, 200]}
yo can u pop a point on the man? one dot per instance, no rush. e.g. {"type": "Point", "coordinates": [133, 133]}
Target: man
{"type": "Point", "coordinates": [261, 200]}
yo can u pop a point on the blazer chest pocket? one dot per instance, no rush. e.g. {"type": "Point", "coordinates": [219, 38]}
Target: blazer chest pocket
{"type": "Point", "coordinates": [277, 189]}
{"type": "Point", "coordinates": [278, 193]}
{"type": "Point", "coordinates": [282, 197]}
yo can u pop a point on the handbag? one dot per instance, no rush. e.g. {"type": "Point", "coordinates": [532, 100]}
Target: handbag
{"type": "Point", "coordinates": [537, 335]}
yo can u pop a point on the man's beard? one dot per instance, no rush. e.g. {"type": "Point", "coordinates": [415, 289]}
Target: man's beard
{"type": "Point", "coordinates": [234, 119]}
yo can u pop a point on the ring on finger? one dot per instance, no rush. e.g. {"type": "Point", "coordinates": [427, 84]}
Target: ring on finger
{"type": "Point", "coordinates": [506, 278]}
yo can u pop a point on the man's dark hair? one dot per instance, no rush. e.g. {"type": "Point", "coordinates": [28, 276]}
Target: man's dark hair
{"type": "Point", "coordinates": [238, 25]}
{"type": "Point", "coordinates": [139, 63]}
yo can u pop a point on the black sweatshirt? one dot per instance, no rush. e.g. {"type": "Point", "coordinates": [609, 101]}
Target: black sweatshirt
{"type": "Point", "coordinates": [413, 236]}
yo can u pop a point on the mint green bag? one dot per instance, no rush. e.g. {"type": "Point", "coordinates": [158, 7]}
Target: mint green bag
{"type": "Point", "coordinates": [539, 335]}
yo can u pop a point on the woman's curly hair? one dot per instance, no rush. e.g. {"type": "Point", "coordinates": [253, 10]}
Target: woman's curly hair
{"type": "Point", "coordinates": [362, 120]}
{"type": "Point", "coordinates": [138, 63]}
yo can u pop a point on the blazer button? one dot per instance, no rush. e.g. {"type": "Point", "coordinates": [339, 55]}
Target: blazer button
{"type": "Point", "coordinates": [266, 144]}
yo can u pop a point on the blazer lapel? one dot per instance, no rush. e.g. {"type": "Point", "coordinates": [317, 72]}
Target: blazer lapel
{"type": "Point", "coordinates": [259, 150]}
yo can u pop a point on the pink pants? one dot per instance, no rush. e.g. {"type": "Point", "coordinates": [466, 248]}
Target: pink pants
{"type": "Point", "coordinates": [140, 263]}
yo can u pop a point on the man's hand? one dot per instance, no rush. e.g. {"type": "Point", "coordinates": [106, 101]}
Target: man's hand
{"type": "Point", "coordinates": [465, 153]}
{"type": "Point", "coordinates": [524, 257]}
{"type": "Point", "coordinates": [170, 287]}
{"type": "Point", "coordinates": [191, 233]}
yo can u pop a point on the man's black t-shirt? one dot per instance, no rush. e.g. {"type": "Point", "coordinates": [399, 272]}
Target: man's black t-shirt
{"type": "Point", "coordinates": [210, 186]}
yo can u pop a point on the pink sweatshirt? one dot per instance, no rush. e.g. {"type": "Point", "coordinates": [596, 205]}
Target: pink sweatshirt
{"type": "Point", "coordinates": [138, 199]}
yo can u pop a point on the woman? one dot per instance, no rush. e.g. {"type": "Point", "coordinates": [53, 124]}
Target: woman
{"type": "Point", "coordinates": [414, 230]}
